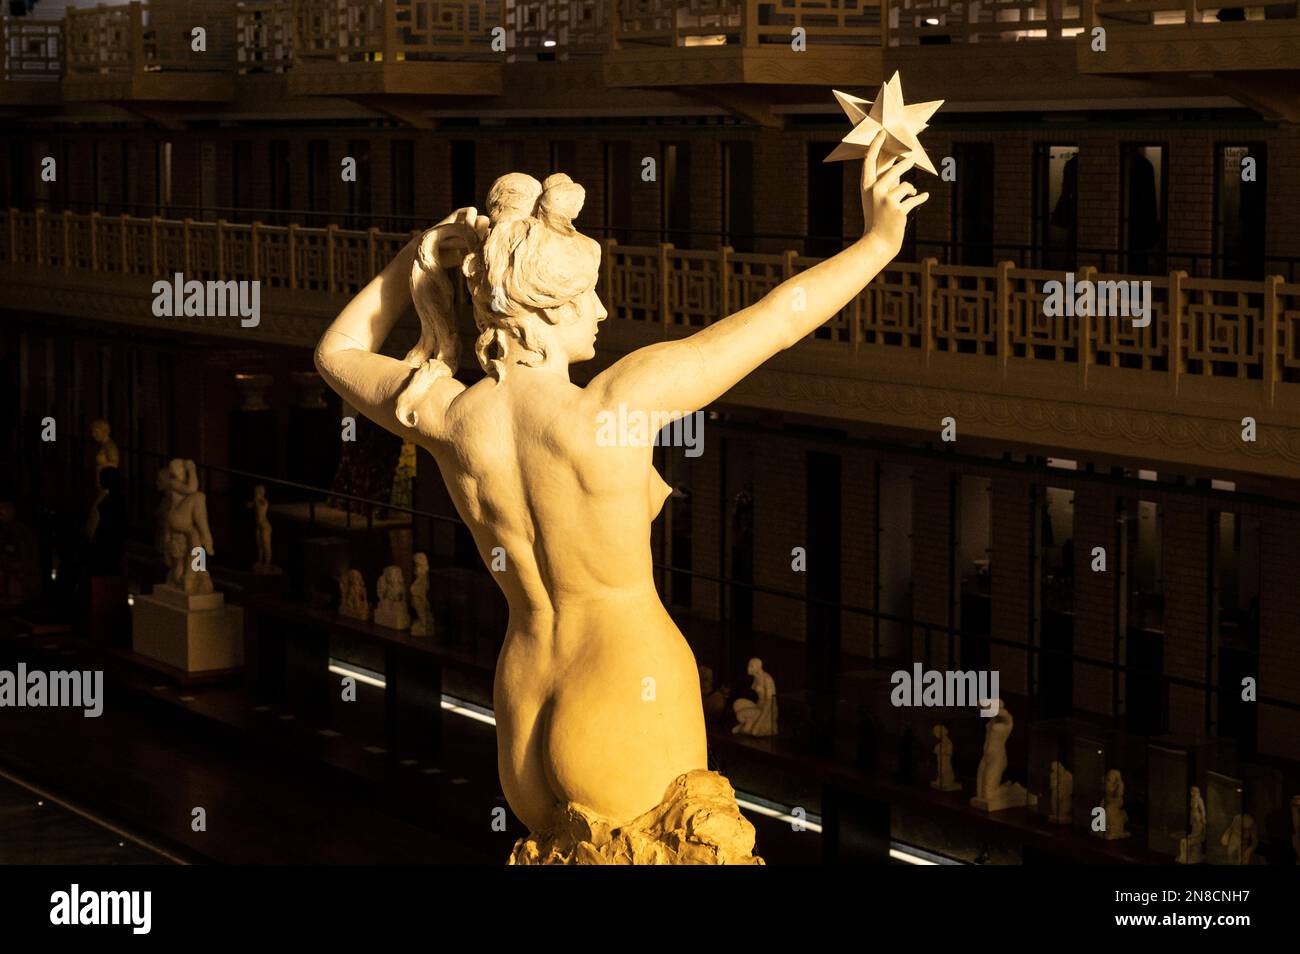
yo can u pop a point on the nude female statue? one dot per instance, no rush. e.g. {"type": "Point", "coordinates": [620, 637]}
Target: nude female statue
{"type": "Point", "coordinates": [757, 718]}
{"type": "Point", "coordinates": [576, 730]}
{"type": "Point", "coordinates": [261, 506]}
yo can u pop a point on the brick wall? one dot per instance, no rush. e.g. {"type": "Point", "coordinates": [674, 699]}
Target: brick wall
{"type": "Point", "coordinates": [858, 550]}
{"type": "Point", "coordinates": [932, 556]}
{"type": "Point", "coordinates": [1279, 638]}
{"type": "Point", "coordinates": [1014, 578]}
{"type": "Point", "coordinates": [1095, 622]}
{"type": "Point", "coordinates": [1186, 553]}
{"type": "Point", "coordinates": [779, 526]}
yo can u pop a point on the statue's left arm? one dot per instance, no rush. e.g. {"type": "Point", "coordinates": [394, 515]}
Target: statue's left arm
{"type": "Point", "coordinates": [685, 375]}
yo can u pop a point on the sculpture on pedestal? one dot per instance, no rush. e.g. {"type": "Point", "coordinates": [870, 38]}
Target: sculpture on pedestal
{"type": "Point", "coordinates": [757, 717]}
{"type": "Point", "coordinates": [1061, 806]}
{"type": "Point", "coordinates": [1191, 847]}
{"type": "Point", "coordinates": [186, 528]}
{"type": "Point", "coordinates": [260, 506]}
{"type": "Point", "coordinates": [991, 793]}
{"type": "Point", "coordinates": [1241, 839]}
{"type": "Point", "coordinates": [1113, 804]}
{"type": "Point", "coordinates": [391, 610]}
{"type": "Point", "coordinates": [106, 455]}
{"type": "Point", "coordinates": [184, 623]}
{"type": "Point", "coordinates": [604, 761]}
{"type": "Point", "coordinates": [423, 623]}
{"type": "Point", "coordinates": [354, 601]}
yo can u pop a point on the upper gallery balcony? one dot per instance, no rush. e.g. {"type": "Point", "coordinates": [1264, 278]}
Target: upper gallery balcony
{"type": "Point", "coordinates": [32, 52]}
{"type": "Point", "coordinates": [779, 43]}
{"type": "Point", "coordinates": [363, 48]}
{"type": "Point", "coordinates": [921, 342]}
{"type": "Point", "coordinates": [146, 53]}
{"type": "Point", "coordinates": [976, 51]}
{"type": "Point", "coordinates": [1251, 47]}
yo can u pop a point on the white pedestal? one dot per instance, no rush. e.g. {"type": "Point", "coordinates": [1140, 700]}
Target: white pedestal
{"type": "Point", "coordinates": [1007, 795]}
{"type": "Point", "coordinates": [194, 633]}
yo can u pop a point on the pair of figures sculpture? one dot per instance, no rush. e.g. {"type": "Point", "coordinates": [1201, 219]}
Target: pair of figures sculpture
{"type": "Point", "coordinates": [597, 773]}
{"type": "Point", "coordinates": [183, 534]}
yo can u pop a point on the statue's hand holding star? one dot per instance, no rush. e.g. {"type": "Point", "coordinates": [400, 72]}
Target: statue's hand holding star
{"type": "Point", "coordinates": [900, 123]}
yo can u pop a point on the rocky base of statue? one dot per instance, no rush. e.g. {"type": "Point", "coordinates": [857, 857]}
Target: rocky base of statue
{"type": "Point", "coordinates": [266, 569]}
{"type": "Point", "coordinates": [697, 823]}
{"type": "Point", "coordinates": [939, 786]}
{"type": "Point", "coordinates": [1006, 795]}
{"type": "Point", "coordinates": [193, 632]}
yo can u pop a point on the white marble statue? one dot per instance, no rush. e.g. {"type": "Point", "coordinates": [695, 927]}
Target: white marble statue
{"type": "Point", "coordinates": [945, 779]}
{"type": "Point", "coordinates": [565, 515]}
{"type": "Point", "coordinates": [1061, 805]}
{"type": "Point", "coordinates": [391, 610]}
{"type": "Point", "coordinates": [423, 623]}
{"type": "Point", "coordinates": [106, 455]}
{"type": "Point", "coordinates": [757, 718]}
{"type": "Point", "coordinates": [354, 601]}
{"type": "Point", "coordinates": [1241, 839]}
{"type": "Point", "coordinates": [260, 506]}
{"type": "Point", "coordinates": [991, 793]}
{"type": "Point", "coordinates": [1191, 847]}
{"type": "Point", "coordinates": [1113, 805]}
{"type": "Point", "coordinates": [186, 528]}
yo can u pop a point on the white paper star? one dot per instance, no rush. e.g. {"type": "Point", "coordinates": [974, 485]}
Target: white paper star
{"type": "Point", "coordinates": [901, 124]}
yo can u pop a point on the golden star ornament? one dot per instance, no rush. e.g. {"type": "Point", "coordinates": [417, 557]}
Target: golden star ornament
{"type": "Point", "coordinates": [901, 124]}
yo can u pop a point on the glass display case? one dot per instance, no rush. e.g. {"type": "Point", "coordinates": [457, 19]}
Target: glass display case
{"type": "Point", "coordinates": [1052, 769]}
{"type": "Point", "coordinates": [1177, 768]}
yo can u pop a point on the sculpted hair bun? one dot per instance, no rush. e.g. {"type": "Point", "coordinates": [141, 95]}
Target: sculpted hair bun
{"type": "Point", "coordinates": [561, 202]}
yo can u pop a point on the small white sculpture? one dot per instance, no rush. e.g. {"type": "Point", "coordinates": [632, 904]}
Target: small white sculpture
{"type": "Point", "coordinates": [423, 625]}
{"type": "Point", "coordinates": [1113, 805]}
{"type": "Point", "coordinates": [1241, 840]}
{"type": "Point", "coordinates": [757, 718]}
{"type": "Point", "coordinates": [1191, 847]}
{"type": "Point", "coordinates": [945, 779]}
{"type": "Point", "coordinates": [391, 610]}
{"type": "Point", "coordinates": [186, 528]}
{"type": "Point", "coordinates": [260, 505]}
{"type": "Point", "coordinates": [991, 793]}
{"type": "Point", "coordinates": [107, 455]}
{"type": "Point", "coordinates": [1061, 807]}
{"type": "Point", "coordinates": [354, 602]}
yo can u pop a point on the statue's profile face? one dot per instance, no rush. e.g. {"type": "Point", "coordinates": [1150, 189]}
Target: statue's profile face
{"type": "Point", "coordinates": [578, 326]}
{"type": "Point", "coordinates": [99, 431]}
{"type": "Point", "coordinates": [177, 469]}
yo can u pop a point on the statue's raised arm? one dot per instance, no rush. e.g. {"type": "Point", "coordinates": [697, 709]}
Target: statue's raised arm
{"type": "Point", "coordinates": [685, 375]}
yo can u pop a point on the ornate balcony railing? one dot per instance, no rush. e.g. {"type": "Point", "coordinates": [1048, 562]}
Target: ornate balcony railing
{"type": "Point", "coordinates": [31, 49]}
{"type": "Point", "coordinates": [981, 21]}
{"type": "Point", "coordinates": [968, 21]}
{"type": "Point", "coordinates": [264, 36]}
{"type": "Point", "coordinates": [561, 26]}
{"type": "Point", "coordinates": [749, 23]}
{"type": "Point", "coordinates": [1181, 12]}
{"type": "Point", "coordinates": [104, 40]}
{"type": "Point", "coordinates": [394, 30]}
{"type": "Point", "coordinates": [1200, 329]}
